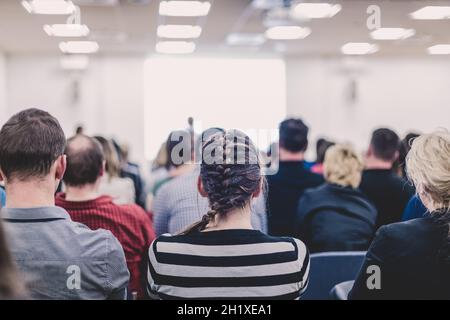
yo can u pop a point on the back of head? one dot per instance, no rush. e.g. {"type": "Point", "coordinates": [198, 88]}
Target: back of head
{"type": "Point", "coordinates": [230, 174]}
{"type": "Point", "coordinates": [111, 157]}
{"type": "Point", "coordinates": [428, 166]}
{"type": "Point", "coordinates": [293, 135]}
{"type": "Point", "coordinates": [30, 142]}
{"type": "Point", "coordinates": [321, 148]}
{"type": "Point", "coordinates": [385, 144]}
{"type": "Point", "coordinates": [203, 138]}
{"type": "Point", "coordinates": [84, 161]}
{"type": "Point", "coordinates": [179, 148]}
{"type": "Point", "coordinates": [343, 166]}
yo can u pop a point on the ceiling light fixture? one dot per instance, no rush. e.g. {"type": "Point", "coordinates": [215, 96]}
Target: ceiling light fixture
{"type": "Point", "coordinates": [392, 33]}
{"type": "Point", "coordinates": [431, 13]}
{"type": "Point", "coordinates": [359, 48]}
{"type": "Point", "coordinates": [184, 8]}
{"type": "Point", "coordinates": [79, 47]}
{"type": "Point", "coordinates": [287, 32]}
{"type": "Point", "coordinates": [315, 10]}
{"type": "Point", "coordinates": [179, 31]}
{"type": "Point", "coordinates": [67, 30]}
{"type": "Point", "coordinates": [439, 49]}
{"type": "Point", "coordinates": [49, 6]}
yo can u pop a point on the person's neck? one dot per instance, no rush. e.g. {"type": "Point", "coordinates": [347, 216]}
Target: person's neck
{"type": "Point", "coordinates": [83, 193]}
{"type": "Point", "coordinates": [30, 194]}
{"type": "Point", "coordinates": [286, 155]}
{"type": "Point", "coordinates": [185, 168]}
{"type": "Point", "coordinates": [235, 219]}
{"type": "Point", "coordinates": [375, 163]}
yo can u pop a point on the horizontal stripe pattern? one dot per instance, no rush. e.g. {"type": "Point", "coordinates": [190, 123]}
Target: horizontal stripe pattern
{"type": "Point", "coordinates": [229, 264]}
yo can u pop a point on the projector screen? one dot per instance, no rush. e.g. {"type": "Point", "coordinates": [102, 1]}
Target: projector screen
{"type": "Point", "coordinates": [246, 94]}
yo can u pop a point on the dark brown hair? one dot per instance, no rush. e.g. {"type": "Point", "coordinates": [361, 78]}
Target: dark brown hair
{"type": "Point", "coordinates": [230, 174]}
{"type": "Point", "coordinates": [385, 144]}
{"type": "Point", "coordinates": [84, 160]}
{"type": "Point", "coordinates": [30, 142]}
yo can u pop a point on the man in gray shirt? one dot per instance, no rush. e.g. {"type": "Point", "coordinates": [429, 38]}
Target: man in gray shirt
{"type": "Point", "coordinates": [59, 259]}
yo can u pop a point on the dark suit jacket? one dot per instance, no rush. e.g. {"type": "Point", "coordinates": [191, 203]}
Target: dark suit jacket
{"type": "Point", "coordinates": [285, 189]}
{"type": "Point", "coordinates": [413, 258]}
{"type": "Point", "coordinates": [335, 218]}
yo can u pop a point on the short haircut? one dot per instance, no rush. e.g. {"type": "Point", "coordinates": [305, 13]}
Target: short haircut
{"type": "Point", "coordinates": [385, 144]}
{"type": "Point", "coordinates": [343, 166]}
{"type": "Point", "coordinates": [293, 135]}
{"type": "Point", "coordinates": [30, 142]}
{"type": "Point", "coordinates": [84, 161]}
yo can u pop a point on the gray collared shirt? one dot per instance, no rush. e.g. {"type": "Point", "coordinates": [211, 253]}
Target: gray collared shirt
{"type": "Point", "coordinates": [62, 259]}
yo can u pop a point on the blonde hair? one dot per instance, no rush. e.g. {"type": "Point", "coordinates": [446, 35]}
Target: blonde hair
{"type": "Point", "coordinates": [343, 166]}
{"type": "Point", "coordinates": [428, 167]}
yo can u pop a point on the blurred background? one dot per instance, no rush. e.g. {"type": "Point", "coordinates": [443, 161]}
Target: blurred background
{"type": "Point", "coordinates": [134, 70]}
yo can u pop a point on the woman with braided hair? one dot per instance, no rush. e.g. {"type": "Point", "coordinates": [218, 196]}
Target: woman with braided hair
{"type": "Point", "coordinates": [222, 256]}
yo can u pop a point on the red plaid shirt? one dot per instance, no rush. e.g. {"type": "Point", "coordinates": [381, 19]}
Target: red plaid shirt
{"type": "Point", "coordinates": [130, 224]}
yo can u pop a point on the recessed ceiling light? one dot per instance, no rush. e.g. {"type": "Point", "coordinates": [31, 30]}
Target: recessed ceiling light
{"type": "Point", "coordinates": [287, 32]}
{"type": "Point", "coordinates": [359, 48]}
{"type": "Point", "coordinates": [184, 8]}
{"type": "Point", "coordinates": [66, 30]}
{"type": "Point", "coordinates": [79, 47]}
{"type": "Point", "coordinates": [179, 31]}
{"type": "Point", "coordinates": [439, 49]}
{"type": "Point", "coordinates": [245, 39]}
{"type": "Point", "coordinates": [315, 10]}
{"type": "Point", "coordinates": [74, 62]}
{"type": "Point", "coordinates": [392, 33]}
{"type": "Point", "coordinates": [175, 47]}
{"type": "Point", "coordinates": [49, 6]}
{"type": "Point", "coordinates": [431, 13]}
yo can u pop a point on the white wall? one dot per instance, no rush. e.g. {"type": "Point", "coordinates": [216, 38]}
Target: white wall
{"type": "Point", "coordinates": [3, 91]}
{"type": "Point", "coordinates": [405, 94]}
{"type": "Point", "coordinates": [110, 95]}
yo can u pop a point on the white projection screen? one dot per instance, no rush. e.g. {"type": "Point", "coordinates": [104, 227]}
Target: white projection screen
{"type": "Point", "coordinates": [246, 94]}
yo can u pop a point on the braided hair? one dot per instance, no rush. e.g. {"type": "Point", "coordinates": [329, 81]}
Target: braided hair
{"type": "Point", "coordinates": [230, 173]}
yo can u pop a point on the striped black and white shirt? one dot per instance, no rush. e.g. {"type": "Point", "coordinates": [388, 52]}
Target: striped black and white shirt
{"type": "Point", "coordinates": [227, 264]}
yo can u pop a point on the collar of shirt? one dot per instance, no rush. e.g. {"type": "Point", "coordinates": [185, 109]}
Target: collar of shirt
{"type": "Point", "coordinates": [37, 213]}
{"type": "Point", "coordinates": [94, 203]}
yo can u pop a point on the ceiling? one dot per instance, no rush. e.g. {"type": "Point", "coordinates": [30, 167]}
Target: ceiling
{"type": "Point", "coordinates": [131, 28]}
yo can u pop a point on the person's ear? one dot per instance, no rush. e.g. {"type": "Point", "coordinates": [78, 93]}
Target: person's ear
{"type": "Point", "coordinates": [200, 188]}
{"type": "Point", "coordinates": [61, 165]}
{"type": "Point", "coordinates": [102, 169]}
{"type": "Point", "coordinates": [258, 190]}
{"type": "Point", "coordinates": [396, 155]}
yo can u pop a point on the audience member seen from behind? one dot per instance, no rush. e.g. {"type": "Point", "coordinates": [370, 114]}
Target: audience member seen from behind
{"type": "Point", "coordinates": [178, 203]}
{"type": "Point", "coordinates": [120, 189]}
{"type": "Point", "coordinates": [292, 179]}
{"type": "Point", "coordinates": [413, 257]}
{"type": "Point", "coordinates": [405, 145]}
{"type": "Point", "coordinates": [336, 216]}
{"type": "Point", "coordinates": [11, 283]}
{"type": "Point", "coordinates": [131, 170]}
{"type": "Point", "coordinates": [194, 264]}
{"type": "Point", "coordinates": [130, 224]}
{"type": "Point", "coordinates": [380, 183]}
{"type": "Point", "coordinates": [64, 259]}
{"type": "Point", "coordinates": [322, 146]}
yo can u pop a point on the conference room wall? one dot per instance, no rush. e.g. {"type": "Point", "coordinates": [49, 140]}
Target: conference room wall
{"type": "Point", "coordinates": [405, 94]}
